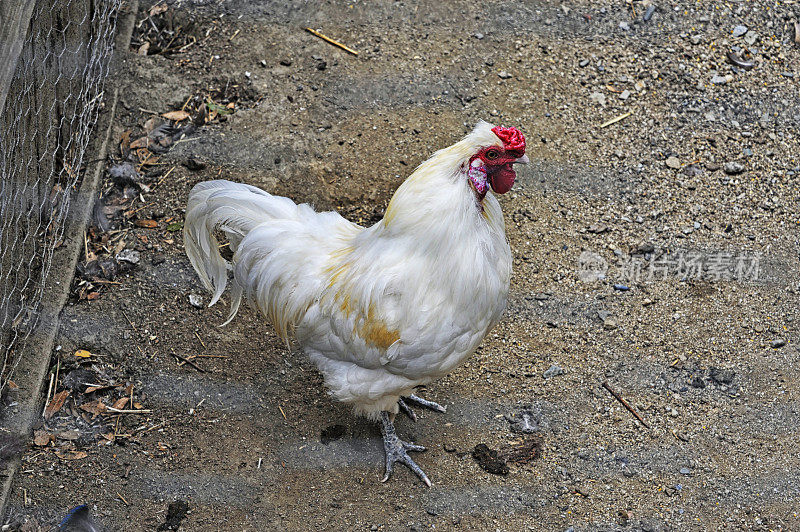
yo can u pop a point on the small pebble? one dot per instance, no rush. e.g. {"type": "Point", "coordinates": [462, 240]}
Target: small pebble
{"type": "Point", "coordinates": [598, 97]}
{"type": "Point", "coordinates": [777, 343]}
{"type": "Point", "coordinates": [624, 95]}
{"type": "Point", "coordinates": [648, 14]}
{"type": "Point", "coordinates": [740, 30]}
{"type": "Point", "coordinates": [685, 471]}
{"type": "Point", "coordinates": [733, 168]}
{"type": "Point", "coordinates": [673, 162]}
{"type": "Point", "coordinates": [553, 371]}
{"type": "Point", "coordinates": [504, 75]}
{"type": "Point", "coordinates": [621, 287]}
{"type": "Point", "coordinates": [624, 26]}
{"type": "Point", "coordinates": [583, 63]}
{"type": "Point", "coordinates": [128, 255]}
{"type": "Point", "coordinates": [196, 300]}
{"type": "Point", "coordinates": [479, 36]}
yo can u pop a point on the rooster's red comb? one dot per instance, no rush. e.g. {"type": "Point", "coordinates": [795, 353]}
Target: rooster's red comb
{"type": "Point", "coordinates": [512, 139]}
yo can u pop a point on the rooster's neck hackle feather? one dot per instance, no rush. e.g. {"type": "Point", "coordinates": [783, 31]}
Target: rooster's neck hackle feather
{"type": "Point", "coordinates": [438, 183]}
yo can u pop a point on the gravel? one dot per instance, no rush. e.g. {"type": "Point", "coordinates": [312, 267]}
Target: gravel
{"type": "Point", "coordinates": [733, 168]}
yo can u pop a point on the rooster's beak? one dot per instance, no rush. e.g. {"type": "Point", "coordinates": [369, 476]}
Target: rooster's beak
{"type": "Point", "coordinates": [522, 160]}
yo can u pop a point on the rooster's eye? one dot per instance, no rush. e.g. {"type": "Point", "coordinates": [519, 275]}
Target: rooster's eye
{"type": "Point", "coordinates": [492, 154]}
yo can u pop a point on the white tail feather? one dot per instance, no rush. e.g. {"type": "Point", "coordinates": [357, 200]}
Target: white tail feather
{"type": "Point", "coordinates": [280, 248]}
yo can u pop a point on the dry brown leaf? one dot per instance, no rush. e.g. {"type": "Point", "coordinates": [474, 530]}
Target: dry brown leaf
{"type": "Point", "coordinates": [177, 116]}
{"type": "Point", "coordinates": [96, 387]}
{"type": "Point", "coordinates": [125, 144]}
{"type": "Point", "coordinates": [83, 353]}
{"type": "Point", "coordinates": [152, 123]}
{"type": "Point", "coordinates": [128, 389]}
{"type": "Point", "coordinates": [141, 142]}
{"type": "Point", "coordinates": [95, 407]}
{"type": "Point", "coordinates": [149, 224]}
{"type": "Point", "coordinates": [120, 403]}
{"type": "Point", "coordinates": [93, 295]}
{"type": "Point", "coordinates": [70, 435]}
{"type": "Point", "coordinates": [41, 438]}
{"type": "Point", "coordinates": [138, 406]}
{"type": "Point", "coordinates": [56, 403]}
{"type": "Point", "coordinates": [158, 9]}
{"type": "Point", "coordinates": [71, 455]}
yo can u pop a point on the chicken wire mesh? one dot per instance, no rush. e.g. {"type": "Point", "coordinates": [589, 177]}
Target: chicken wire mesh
{"type": "Point", "coordinates": [52, 102]}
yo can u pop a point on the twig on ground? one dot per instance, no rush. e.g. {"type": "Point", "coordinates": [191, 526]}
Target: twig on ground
{"type": "Point", "coordinates": [128, 411]}
{"type": "Point", "coordinates": [615, 120]}
{"type": "Point", "coordinates": [148, 429]}
{"type": "Point", "coordinates": [163, 178]}
{"type": "Point", "coordinates": [49, 391]}
{"type": "Point", "coordinates": [131, 213]}
{"type": "Point", "coordinates": [331, 41]}
{"type": "Point", "coordinates": [187, 361]}
{"type": "Point", "coordinates": [58, 368]}
{"type": "Point", "coordinates": [131, 323]}
{"type": "Point", "coordinates": [201, 340]}
{"type": "Point", "coordinates": [189, 99]}
{"type": "Point", "coordinates": [625, 404]}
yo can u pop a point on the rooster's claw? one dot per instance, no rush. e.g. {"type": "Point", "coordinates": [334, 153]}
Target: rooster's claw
{"type": "Point", "coordinates": [397, 451]}
{"type": "Point", "coordinates": [418, 401]}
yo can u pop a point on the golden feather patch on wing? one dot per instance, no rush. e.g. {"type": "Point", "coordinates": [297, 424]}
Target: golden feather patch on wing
{"type": "Point", "coordinates": [367, 326]}
{"type": "Point", "coordinates": [376, 333]}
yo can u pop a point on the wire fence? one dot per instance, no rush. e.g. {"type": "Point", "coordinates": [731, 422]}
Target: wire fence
{"type": "Point", "coordinates": [51, 105]}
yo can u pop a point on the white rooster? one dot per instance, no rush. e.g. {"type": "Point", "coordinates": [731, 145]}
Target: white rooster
{"type": "Point", "coordinates": [380, 310]}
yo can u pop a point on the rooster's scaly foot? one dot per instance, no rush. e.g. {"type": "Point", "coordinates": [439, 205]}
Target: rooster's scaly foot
{"type": "Point", "coordinates": [418, 401]}
{"type": "Point", "coordinates": [397, 451]}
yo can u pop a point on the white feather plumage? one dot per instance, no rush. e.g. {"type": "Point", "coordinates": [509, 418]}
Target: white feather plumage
{"type": "Point", "coordinates": [380, 310]}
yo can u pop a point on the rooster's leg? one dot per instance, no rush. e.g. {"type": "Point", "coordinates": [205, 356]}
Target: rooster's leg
{"type": "Point", "coordinates": [419, 401]}
{"type": "Point", "coordinates": [406, 409]}
{"type": "Point", "coordinates": [397, 450]}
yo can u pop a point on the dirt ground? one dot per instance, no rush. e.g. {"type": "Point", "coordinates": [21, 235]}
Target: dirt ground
{"type": "Point", "coordinates": [658, 254]}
